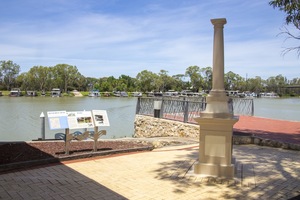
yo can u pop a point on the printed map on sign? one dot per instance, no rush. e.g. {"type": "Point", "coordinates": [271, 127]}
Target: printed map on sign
{"type": "Point", "coordinates": [100, 118]}
{"type": "Point", "coordinates": [57, 120]}
{"type": "Point", "coordinates": [80, 119]}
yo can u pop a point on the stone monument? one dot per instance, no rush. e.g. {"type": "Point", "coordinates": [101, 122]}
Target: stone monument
{"type": "Point", "coordinates": [216, 122]}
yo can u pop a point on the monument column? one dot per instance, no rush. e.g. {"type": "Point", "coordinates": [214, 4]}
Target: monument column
{"type": "Point", "coordinates": [218, 54]}
{"type": "Point", "coordinates": [217, 101]}
{"type": "Point", "coordinates": [216, 122]}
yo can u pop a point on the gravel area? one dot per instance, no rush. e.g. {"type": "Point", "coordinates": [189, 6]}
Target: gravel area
{"type": "Point", "coordinates": [15, 152]}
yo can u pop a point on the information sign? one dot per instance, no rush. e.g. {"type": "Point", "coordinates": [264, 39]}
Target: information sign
{"type": "Point", "coordinates": [57, 120]}
{"type": "Point", "coordinates": [100, 118]}
{"type": "Point", "coordinates": [80, 119]}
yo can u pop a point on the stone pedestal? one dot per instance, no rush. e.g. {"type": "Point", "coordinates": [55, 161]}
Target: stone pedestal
{"type": "Point", "coordinates": [215, 147]}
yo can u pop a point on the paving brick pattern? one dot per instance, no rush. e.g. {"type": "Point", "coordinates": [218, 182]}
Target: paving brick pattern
{"type": "Point", "coordinates": [166, 173]}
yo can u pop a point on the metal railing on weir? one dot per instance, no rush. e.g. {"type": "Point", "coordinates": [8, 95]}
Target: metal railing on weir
{"type": "Point", "coordinates": [185, 109]}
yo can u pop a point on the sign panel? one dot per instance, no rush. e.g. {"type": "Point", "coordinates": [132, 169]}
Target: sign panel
{"type": "Point", "coordinates": [80, 119]}
{"type": "Point", "coordinates": [57, 120]}
{"type": "Point", "coordinates": [100, 118]}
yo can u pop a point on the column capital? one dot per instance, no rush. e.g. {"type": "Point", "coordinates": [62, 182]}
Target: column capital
{"type": "Point", "coordinates": [218, 21]}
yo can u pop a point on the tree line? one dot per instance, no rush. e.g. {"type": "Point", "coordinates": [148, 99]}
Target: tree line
{"type": "Point", "coordinates": [68, 78]}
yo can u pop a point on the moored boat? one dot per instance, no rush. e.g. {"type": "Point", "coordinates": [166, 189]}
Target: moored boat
{"type": "Point", "coordinates": [123, 94]}
{"type": "Point", "coordinates": [55, 92]}
{"type": "Point", "coordinates": [137, 94]}
{"type": "Point", "coordinates": [15, 92]}
{"type": "Point", "coordinates": [30, 93]}
{"type": "Point", "coordinates": [269, 95]}
{"type": "Point", "coordinates": [94, 93]}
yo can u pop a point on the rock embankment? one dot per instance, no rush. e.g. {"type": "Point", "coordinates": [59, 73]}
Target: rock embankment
{"type": "Point", "coordinates": [150, 127]}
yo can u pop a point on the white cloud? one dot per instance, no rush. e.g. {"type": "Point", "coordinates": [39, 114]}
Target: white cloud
{"type": "Point", "coordinates": [163, 35]}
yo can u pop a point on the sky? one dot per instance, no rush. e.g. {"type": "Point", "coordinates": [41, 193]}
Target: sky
{"type": "Point", "coordinates": [124, 37]}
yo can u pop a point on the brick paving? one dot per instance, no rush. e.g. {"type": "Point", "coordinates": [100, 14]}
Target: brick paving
{"type": "Point", "coordinates": [165, 173]}
{"type": "Point", "coordinates": [280, 130]}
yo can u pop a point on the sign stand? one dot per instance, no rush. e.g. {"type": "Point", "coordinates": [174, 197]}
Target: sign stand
{"type": "Point", "coordinates": [77, 120]}
{"type": "Point", "coordinates": [68, 139]}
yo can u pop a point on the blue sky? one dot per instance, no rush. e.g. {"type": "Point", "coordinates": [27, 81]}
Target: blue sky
{"type": "Point", "coordinates": [115, 37]}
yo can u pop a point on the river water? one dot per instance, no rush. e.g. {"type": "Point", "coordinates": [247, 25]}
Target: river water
{"type": "Point", "coordinates": [20, 116]}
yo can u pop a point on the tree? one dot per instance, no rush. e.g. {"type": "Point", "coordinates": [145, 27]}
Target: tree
{"type": "Point", "coordinates": [233, 81]}
{"type": "Point", "coordinates": [24, 81]}
{"type": "Point", "coordinates": [255, 84]}
{"type": "Point", "coordinates": [178, 82]}
{"type": "Point", "coordinates": [164, 82]}
{"type": "Point", "coordinates": [9, 72]}
{"type": "Point", "coordinates": [65, 75]}
{"type": "Point", "coordinates": [38, 76]}
{"type": "Point", "coordinates": [147, 81]}
{"type": "Point", "coordinates": [207, 78]}
{"type": "Point", "coordinates": [105, 85]}
{"type": "Point", "coordinates": [292, 10]}
{"type": "Point", "coordinates": [275, 84]}
{"type": "Point", "coordinates": [128, 81]}
{"type": "Point", "coordinates": [193, 72]}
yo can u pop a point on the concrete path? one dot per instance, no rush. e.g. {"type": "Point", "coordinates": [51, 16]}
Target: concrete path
{"type": "Point", "coordinates": [165, 173]}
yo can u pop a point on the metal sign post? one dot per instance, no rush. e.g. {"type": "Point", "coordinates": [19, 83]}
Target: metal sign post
{"type": "Point", "coordinates": [42, 116]}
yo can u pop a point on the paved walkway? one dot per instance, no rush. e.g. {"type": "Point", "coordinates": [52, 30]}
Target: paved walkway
{"type": "Point", "coordinates": [262, 173]}
{"type": "Point", "coordinates": [281, 130]}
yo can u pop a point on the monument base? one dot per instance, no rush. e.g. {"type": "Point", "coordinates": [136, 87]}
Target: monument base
{"type": "Point", "coordinates": [215, 146]}
{"type": "Point", "coordinates": [214, 170]}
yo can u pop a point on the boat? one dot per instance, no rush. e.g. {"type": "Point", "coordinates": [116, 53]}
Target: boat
{"type": "Point", "coordinates": [150, 94]}
{"type": "Point", "coordinates": [137, 94]}
{"type": "Point", "coordinates": [31, 93]}
{"type": "Point", "coordinates": [94, 93]}
{"type": "Point", "coordinates": [15, 92]}
{"type": "Point", "coordinates": [269, 95]}
{"type": "Point", "coordinates": [123, 94]}
{"type": "Point", "coordinates": [235, 93]}
{"type": "Point", "coordinates": [170, 93]}
{"type": "Point", "coordinates": [117, 93]}
{"type": "Point", "coordinates": [120, 94]}
{"type": "Point", "coordinates": [55, 92]}
{"type": "Point", "coordinates": [158, 94]}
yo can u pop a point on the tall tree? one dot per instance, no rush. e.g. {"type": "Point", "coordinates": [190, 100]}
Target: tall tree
{"type": "Point", "coordinates": [193, 72]}
{"type": "Point", "coordinates": [292, 10]}
{"type": "Point", "coordinates": [178, 82]}
{"type": "Point", "coordinates": [233, 81]}
{"type": "Point", "coordinates": [65, 75]}
{"type": "Point", "coordinates": [9, 72]}
{"type": "Point", "coordinates": [207, 78]}
{"type": "Point", "coordinates": [38, 75]}
{"type": "Point", "coordinates": [255, 84]}
{"type": "Point", "coordinates": [147, 81]}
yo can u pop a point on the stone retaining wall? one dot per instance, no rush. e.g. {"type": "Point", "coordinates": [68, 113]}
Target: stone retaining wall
{"type": "Point", "coordinates": [147, 127]}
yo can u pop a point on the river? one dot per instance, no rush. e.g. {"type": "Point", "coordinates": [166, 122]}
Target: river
{"type": "Point", "coordinates": [20, 116]}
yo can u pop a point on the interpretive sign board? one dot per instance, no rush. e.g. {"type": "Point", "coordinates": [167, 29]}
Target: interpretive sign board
{"type": "Point", "coordinates": [77, 119]}
{"type": "Point", "coordinates": [100, 118]}
{"type": "Point", "coordinates": [80, 119]}
{"type": "Point", "coordinates": [58, 120]}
